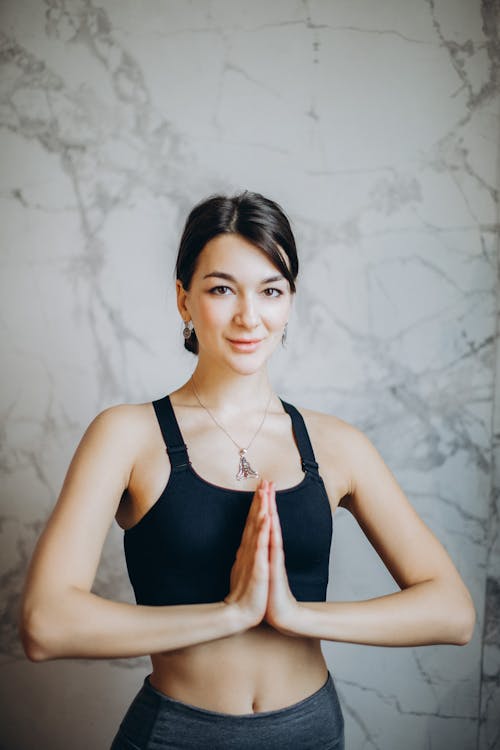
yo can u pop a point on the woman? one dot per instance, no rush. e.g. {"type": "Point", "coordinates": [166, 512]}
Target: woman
{"type": "Point", "coordinates": [226, 495]}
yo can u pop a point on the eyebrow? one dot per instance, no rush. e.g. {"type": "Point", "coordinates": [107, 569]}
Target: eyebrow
{"type": "Point", "coordinates": [228, 277]}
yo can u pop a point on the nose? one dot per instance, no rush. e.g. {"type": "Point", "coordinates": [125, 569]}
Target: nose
{"type": "Point", "coordinates": [247, 313]}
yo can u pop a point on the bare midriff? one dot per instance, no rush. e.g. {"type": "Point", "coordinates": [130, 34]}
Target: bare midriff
{"type": "Point", "coordinates": [258, 670]}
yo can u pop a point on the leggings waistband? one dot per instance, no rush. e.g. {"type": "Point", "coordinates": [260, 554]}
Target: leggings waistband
{"type": "Point", "coordinates": [295, 708]}
{"type": "Point", "coordinates": [155, 721]}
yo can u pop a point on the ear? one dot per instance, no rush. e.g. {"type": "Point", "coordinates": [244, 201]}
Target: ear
{"type": "Point", "coordinates": [182, 301]}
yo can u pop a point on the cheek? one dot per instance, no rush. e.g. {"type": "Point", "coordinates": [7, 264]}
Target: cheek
{"type": "Point", "coordinates": [277, 315]}
{"type": "Point", "coordinates": [213, 312]}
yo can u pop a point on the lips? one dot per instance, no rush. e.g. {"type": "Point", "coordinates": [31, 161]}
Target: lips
{"type": "Point", "coordinates": [245, 341]}
{"type": "Point", "coordinates": [245, 345]}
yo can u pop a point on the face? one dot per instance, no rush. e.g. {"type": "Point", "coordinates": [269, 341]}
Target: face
{"type": "Point", "coordinates": [238, 301]}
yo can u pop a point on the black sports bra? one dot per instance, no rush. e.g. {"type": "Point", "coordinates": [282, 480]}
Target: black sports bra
{"type": "Point", "coordinates": [182, 550]}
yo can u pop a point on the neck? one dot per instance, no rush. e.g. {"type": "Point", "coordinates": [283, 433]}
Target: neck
{"type": "Point", "coordinates": [229, 391]}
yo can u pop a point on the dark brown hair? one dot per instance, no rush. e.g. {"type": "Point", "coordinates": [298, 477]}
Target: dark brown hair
{"type": "Point", "coordinates": [256, 218]}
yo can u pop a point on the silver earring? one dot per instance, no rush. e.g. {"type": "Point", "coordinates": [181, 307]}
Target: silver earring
{"type": "Point", "coordinates": [284, 334]}
{"type": "Point", "coordinates": [187, 330]}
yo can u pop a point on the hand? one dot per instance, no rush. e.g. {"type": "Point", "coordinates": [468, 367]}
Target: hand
{"type": "Point", "coordinates": [282, 607]}
{"type": "Point", "coordinates": [249, 582]}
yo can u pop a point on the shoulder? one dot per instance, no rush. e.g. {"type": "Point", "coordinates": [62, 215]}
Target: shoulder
{"type": "Point", "coordinates": [328, 426]}
{"type": "Point", "coordinates": [124, 423]}
{"type": "Point", "coordinates": [320, 418]}
{"type": "Point", "coordinates": [120, 415]}
{"type": "Point", "coordinates": [335, 438]}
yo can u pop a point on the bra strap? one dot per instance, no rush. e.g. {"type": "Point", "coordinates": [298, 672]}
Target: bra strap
{"type": "Point", "coordinates": [302, 437]}
{"type": "Point", "coordinates": [176, 448]}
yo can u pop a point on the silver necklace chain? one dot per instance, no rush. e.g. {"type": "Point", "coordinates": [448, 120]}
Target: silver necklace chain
{"type": "Point", "coordinates": [244, 469]}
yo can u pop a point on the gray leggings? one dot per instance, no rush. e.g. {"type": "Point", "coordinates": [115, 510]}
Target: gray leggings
{"type": "Point", "coordinates": [154, 721]}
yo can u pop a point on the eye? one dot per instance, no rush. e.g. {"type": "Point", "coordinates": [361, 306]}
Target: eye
{"type": "Point", "coordinates": [272, 292]}
{"type": "Point", "coordinates": [220, 291]}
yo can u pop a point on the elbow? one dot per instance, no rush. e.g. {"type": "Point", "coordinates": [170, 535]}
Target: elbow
{"type": "Point", "coordinates": [463, 621]}
{"type": "Point", "coordinates": [32, 630]}
{"type": "Point", "coordinates": [467, 626]}
{"type": "Point", "coordinates": [31, 647]}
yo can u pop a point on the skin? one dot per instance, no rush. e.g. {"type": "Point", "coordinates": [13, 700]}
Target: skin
{"type": "Point", "coordinates": [258, 649]}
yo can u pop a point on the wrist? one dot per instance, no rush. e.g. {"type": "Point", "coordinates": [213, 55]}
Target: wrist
{"type": "Point", "coordinates": [239, 617]}
{"type": "Point", "coordinates": [294, 622]}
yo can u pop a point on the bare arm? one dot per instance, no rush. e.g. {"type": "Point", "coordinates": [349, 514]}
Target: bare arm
{"type": "Point", "coordinates": [433, 606]}
{"type": "Point", "coordinates": [60, 617]}
{"type": "Point", "coordinates": [84, 625]}
{"type": "Point", "coordinates": [423, 614]}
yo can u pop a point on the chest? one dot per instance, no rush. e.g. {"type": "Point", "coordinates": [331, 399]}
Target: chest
{"type": "Point", "coordinates": [183, 548]}
{"type": "Point", "coordinates": [272, 455]}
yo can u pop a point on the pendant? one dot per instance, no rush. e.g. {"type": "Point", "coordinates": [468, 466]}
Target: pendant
{"type": "Point", "coordinates": [245, 470]}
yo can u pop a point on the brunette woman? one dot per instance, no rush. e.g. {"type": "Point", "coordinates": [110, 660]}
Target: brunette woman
{"type": "Point", "coordinates": [226, 494]}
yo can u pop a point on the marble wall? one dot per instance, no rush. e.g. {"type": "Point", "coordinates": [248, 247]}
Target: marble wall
{"type": "Point", "coordinates": [375, 125]}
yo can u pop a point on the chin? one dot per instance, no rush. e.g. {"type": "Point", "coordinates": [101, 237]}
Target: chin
{"type": "Point", "coordinates": [247, 364]}
{"type": "Point", "coordinates": [247, 367]}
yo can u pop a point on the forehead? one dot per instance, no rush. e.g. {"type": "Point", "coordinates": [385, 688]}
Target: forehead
{"type": "Point", "coordinates": [234, 254]}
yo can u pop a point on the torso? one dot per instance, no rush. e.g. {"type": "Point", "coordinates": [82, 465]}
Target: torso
{"type": "Point", "coordinates": [260, 669]}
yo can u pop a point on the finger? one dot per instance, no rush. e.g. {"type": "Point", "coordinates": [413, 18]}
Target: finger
{"type": "Point", "coordinates": [264, 531]}
{"type": "Point", "coordinates": [266, 494]}
{"type": "Point", "coordinates": [278, 536]}
{"type": "Point", "coordinates": [265, 508]}
{"type": "Point", "coordinates": [254, 517]}
{"type": "Point", "coordinates": [258, 561]}
{"type": "Point", "coordinates": [259, 508]}
{"type": "Point", "coordinates": [276, 560]}
{"type": "Point", "coordinates": [276, 525]}
{"type": "Point", "coordinates": [260, 512]}
{"type": "Point", "coordinates": [271, 493]}
{"type": "Point", "coordinates": [257, 501]}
